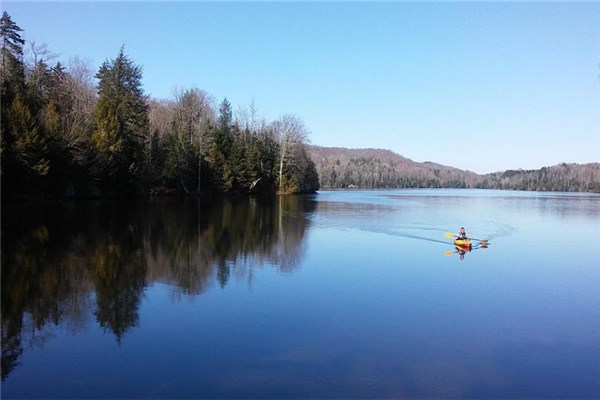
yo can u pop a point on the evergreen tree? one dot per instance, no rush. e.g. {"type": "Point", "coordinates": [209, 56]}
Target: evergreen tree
{"type": "Point", "coordinates": [57, 153]}
{"type": "Point", "coordinates": [225, 116]}
{"type": "Point", "coordinates": [12, 83]}
{"type": "Point", "coordinates": [240, 165]}
{"type": "Point", "coordinates": [220, 151]}
{"type": "Point", "coordinates": [28, 148]}
{"type": "Point", "coordinates": [122, 126]}
{"type": "Point", "coordinates": [179, 163]}
{"type": "Point", "coordinates": [12, 71]}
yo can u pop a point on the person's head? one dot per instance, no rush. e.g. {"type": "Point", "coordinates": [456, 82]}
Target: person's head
{"type": "Point", "coordinates": [462, 230]}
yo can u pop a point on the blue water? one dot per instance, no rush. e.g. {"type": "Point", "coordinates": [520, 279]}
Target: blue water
{"type": "Point", "coordinates": [353, 294]}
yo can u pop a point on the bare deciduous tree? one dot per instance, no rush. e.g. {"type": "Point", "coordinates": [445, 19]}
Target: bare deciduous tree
{"type": "Point", "coordinates": [78, 120]}
{"type": "Point", "coordinates": [160, 116]}
{"type": "Point", "coordinates": [290, 133]}
{"type": "Point", "coordinates": [36, 52]}
{"type": "Point", "coordinates": [192, 117]}
{"type": "Point", "coordinates": [248, 119]}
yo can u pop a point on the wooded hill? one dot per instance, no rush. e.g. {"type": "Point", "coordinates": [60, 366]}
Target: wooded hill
{"type": "Point", "coordinates": [376, 168]}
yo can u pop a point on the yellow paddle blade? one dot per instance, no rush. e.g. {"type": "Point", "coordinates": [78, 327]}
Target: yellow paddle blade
{"type": "Point", "coordinates": [448, 234]}
{"type": "Point", "coordinates": [448, 253]}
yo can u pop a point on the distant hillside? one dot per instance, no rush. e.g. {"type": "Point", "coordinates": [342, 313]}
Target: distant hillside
{"type": "Point", "coordinates": [377, 168]}
{"type": "Point", "coordinates": [562, 177]}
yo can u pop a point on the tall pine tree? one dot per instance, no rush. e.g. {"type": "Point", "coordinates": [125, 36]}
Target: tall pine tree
{"type": "Point", "coordinates": [219, 154]}
{"type": "Point", "coordinates": [12, 88]}
{"type": "Point", "coordinates": [122, 126]}
{"type": "Point", "coordinates": [12, 71]}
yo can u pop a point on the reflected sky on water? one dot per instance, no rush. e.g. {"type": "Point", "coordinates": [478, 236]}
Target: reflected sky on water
{"type": "Point", "coordinates": [340, 294]}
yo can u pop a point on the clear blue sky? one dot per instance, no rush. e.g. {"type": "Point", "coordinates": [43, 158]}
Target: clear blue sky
{"type": "Point", "coordinates": [479, 86]}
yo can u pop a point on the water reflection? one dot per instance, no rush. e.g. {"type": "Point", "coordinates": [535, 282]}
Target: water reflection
{"type": "Point", "coordinates": [67, 264]}
{"type": "Point", "coordinates": [462, 251]}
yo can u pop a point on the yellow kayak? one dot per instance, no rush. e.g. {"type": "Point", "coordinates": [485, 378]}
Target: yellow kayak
{"type": "Point", "coordinates": [464, 243]}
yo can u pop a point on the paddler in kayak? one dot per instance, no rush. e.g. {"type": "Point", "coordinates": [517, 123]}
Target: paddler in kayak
{"type": "Point", "coordinates": [463, 243]}
{"type": "Point", "coordinates": [462, 240]}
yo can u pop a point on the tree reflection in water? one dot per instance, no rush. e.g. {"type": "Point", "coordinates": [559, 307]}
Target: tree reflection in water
{"type": "Point", "coordinates": [65, 263]}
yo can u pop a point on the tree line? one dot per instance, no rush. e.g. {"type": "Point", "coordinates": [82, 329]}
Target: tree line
{"type": "Point", "coordinates": [67, 131]}
{"type": "Point", "coordinates": [376, 168]}
{"type": "Point", "coordinates": [559, 178]}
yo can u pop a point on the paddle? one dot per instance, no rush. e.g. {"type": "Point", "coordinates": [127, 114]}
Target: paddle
{"type": "Point", "coordinates": [451, 235]}
{"type": "Point", "coordinates": [480, 240]}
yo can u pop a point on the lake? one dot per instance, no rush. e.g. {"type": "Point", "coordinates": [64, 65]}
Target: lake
{"type": "Point", "coordinates": [347, 294]}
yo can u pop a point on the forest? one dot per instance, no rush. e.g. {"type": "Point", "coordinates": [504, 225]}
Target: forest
{"type": "Point", "coordinates": [376, 168]}
{"type": "Point", "coordinates": [69, 132]}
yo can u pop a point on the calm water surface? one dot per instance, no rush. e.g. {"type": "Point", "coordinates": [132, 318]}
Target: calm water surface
{"type": "Point", "coordinates": [342, 294]}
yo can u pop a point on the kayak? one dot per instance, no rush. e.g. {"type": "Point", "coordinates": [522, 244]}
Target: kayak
{"type": "Point", "coordinates": [463, 243]}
